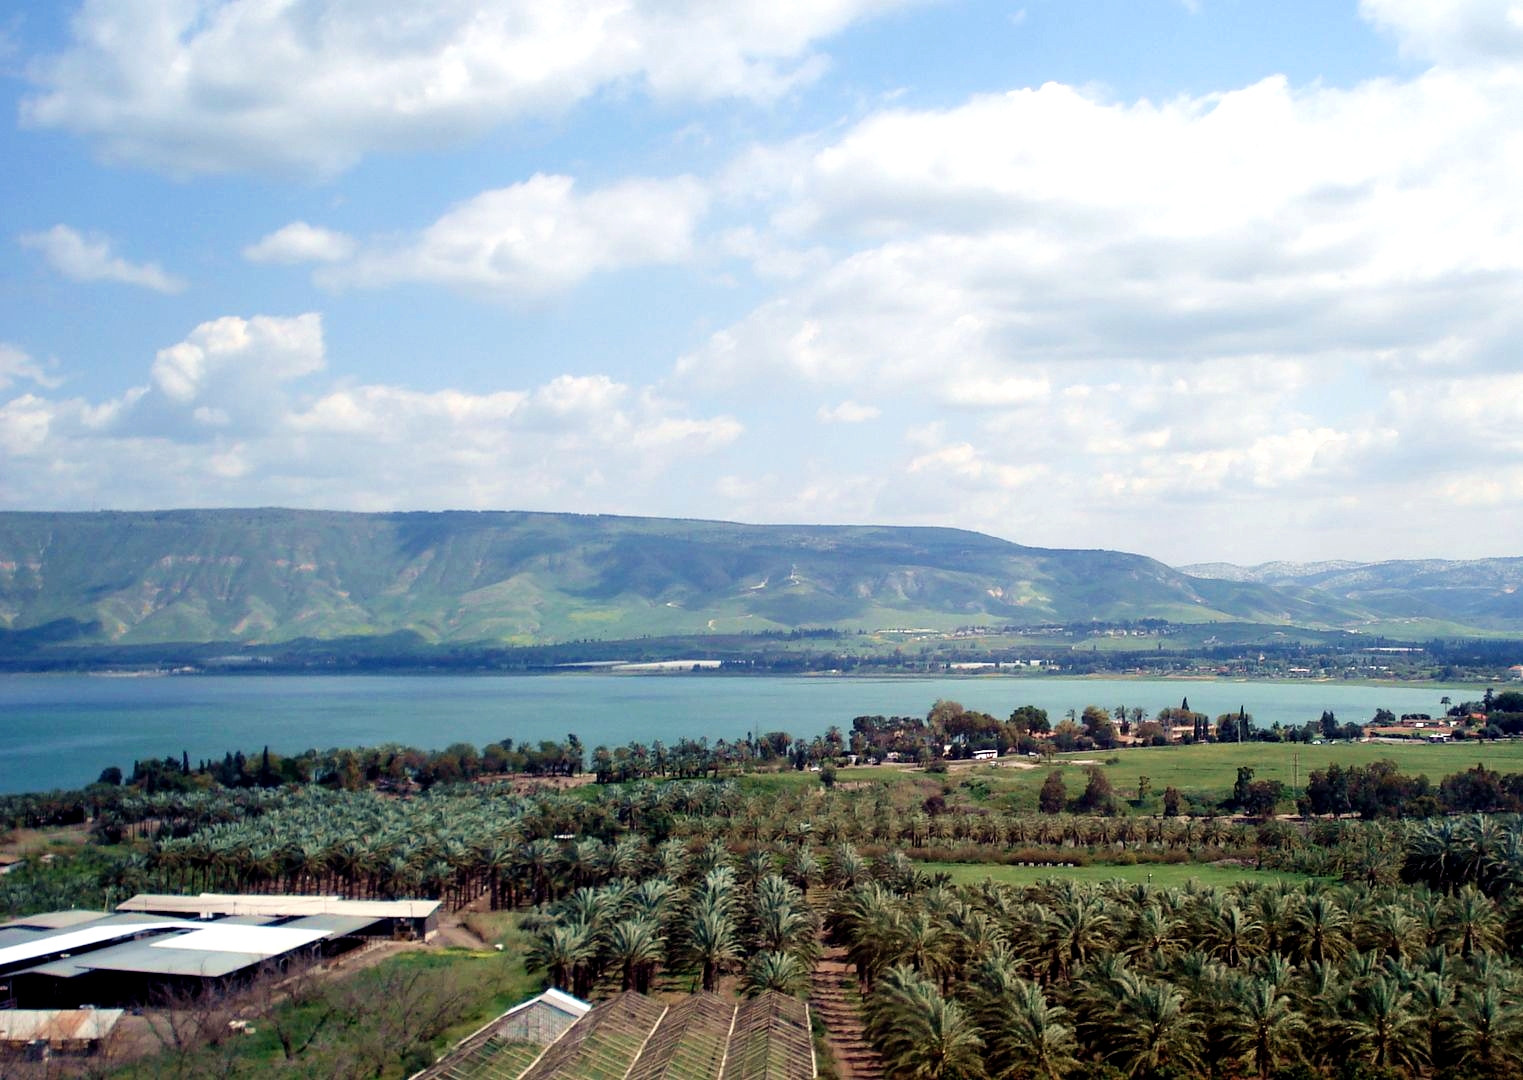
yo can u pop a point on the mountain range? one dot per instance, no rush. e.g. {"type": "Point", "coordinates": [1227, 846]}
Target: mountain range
{"type": "Point", "coordinates": [1486, 593]}
{"type": "Point", "coordinates": [262, 576]}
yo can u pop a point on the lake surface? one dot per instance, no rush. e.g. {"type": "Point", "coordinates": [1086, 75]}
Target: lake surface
{"type": "Point", "coordinates": [62, 730]}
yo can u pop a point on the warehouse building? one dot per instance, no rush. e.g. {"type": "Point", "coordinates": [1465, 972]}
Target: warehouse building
{"type": "Point", "coordinates": [416, 920]}
{"type": "Point", "coordinates": [158, 946]}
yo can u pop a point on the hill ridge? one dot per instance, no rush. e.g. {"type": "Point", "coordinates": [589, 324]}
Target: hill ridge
{"type": "Point", "coordinates": [267, 574]}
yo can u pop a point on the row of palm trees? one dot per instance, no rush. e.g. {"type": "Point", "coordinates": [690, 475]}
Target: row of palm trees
{"type": "Point", "coordinates": [464, 843]}
{"type": "Point", "coordinates": [707, 914]}
{"type": "Point", "coordinates": [1070, 979]}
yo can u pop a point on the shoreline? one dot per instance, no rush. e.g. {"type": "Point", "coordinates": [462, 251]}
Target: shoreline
{"type": "Point", "coordinates": [663, 670]}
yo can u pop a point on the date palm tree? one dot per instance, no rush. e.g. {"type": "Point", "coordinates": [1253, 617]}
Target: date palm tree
{"type": "Point", "coordinates": [920, 1034]}
{"type": "Point", "coordinates": [1489, 1030]}
{"type": "Point", "coordinates": [1024, 1035]}
{"type": "Point", "coordinates": [1073, 932]}
{"type": "Point", "coordinates": [1387, 1026]}
{"type": "Point", "coordinates": [636, 946]}
{"type": "Point", "coordinates": [711, 941]}
{"type": "Point", "coordinates": [558, 951]}
{"type": "Point", "coordinates": [1473, 921]}
{"type": "Point", "coordinates": [1151, 1031]}
{"type": "Point", "coordinates": [1263, 1025]}
{"type": "Point", "coordinates": [783, 972]}
{"type": "Point", "coordinates": [1320, 931]}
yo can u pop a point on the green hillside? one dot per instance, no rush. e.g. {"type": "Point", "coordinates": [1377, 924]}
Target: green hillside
{"type": "Point", "coordinates": [1484, 593]}
{"type": "Point", "coordinates": [278, 575]}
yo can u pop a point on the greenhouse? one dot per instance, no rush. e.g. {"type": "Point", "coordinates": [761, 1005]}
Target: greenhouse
{"type": "Point", "coordinates": [701, 1037]}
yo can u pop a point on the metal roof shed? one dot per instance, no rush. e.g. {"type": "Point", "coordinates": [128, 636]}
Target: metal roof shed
{"type": "Point", "coordinates": [64, 1030]}
{"type": "Point", "coordinates": [419, 918]}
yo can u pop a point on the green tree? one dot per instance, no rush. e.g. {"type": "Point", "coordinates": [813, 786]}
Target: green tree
{"type": "Point", "coordinates": [920, 1034]}
{"type": "Point", "coordinates": [1054, 795]}
{"type": "Point", "coordinates": [1264, 1025]}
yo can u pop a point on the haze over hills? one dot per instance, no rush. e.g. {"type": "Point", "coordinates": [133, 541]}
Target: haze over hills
{"type": "Point", "coordinates": [252, 576]}
{"type": "Point", "coordinates": [1478, 592]}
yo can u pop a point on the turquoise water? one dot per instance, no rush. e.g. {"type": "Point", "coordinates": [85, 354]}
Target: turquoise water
{"type": "Point", "coordinates": [61, 730]}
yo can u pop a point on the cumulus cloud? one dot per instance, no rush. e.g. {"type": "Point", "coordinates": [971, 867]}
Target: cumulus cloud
{"type": "Point", "coordinates": [538, 237]}
{"type": "Point", "coordinates": [1081, 225]}
{"type": "Point", "coordinates": [89, 258]}
{"type": "Point", "coordinates": [277, 348]}
{"type": "Point", "coordinates": [1160, 304]}
{"type": "Point", "coordinates": [299, 242]}
{"type": "Point", "coordinates": [243, 410]}
{"type": "Point", "coordinates": [313, 86]}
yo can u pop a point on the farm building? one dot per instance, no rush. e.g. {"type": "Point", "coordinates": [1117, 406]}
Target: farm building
{"type": "Point", "coordinates": [414, 919]}
{"type": "Point", "coordinates": [62, 1031]}
{"type": "Point", "coordinates": [701, 1037]}
{"type": "Point", "coordinates": [132, 957]}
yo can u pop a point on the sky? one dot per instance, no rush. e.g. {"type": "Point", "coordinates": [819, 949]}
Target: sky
{"type": "Point", "coordinates": [1200, 279]}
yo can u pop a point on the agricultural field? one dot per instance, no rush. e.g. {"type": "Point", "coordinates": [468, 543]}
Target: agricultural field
{"type": "Point", "coordinates": [1211, 769]}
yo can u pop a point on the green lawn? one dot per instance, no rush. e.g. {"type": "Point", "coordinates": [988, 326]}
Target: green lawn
{"type": "Point", "coordinates": [1212, 768]}
{"type": "Point", "coordinates": [1169, 874]}
{"type": "Point", "coordinates": [790, 779]}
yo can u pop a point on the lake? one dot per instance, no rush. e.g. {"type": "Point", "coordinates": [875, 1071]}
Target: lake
{"type": "Point", "coordinates": [62, 730]}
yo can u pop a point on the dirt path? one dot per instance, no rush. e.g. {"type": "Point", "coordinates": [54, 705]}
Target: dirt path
{"type": "Point", "coordinates": [453, 932]}
{"type": "Point", "coordinates": [833, 997]}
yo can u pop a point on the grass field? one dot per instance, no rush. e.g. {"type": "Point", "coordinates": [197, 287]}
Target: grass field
{"type": "Point", "coordinates": [1167, 874]}
{"type": "Point", "coordinates": [1211, 769]}
{"type": "Point", "coordinates": [1207, 770]}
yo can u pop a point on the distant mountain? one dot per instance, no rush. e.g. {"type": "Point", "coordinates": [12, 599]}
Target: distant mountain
{"type": "Point", "coordinates": [522, 578]}
{"type": "Point", "coordinates": [1486, 593]}
{"type": "Point", "coordinates": [1270, 573]}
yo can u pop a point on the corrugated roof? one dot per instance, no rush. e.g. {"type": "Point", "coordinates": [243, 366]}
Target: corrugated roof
{"type": "Point", "coordinates": [54, 942]}
{"type": "Point", "coordinates": [56, 920]}
{"type": "Point", "coordinates": [332, 925]}
{"type": "Point", "coordinates": [58, 969]}
{"type": "Point", "coordinates": [17, 935]}
{"type": "Point", "coordinates": [57, 1025]}
{"type": "Point", "coordinates": [257, 940]}
{"type": "Point", "coordinates": [144, 958]}
{"type": "Point", "coordinates": [234, 904]}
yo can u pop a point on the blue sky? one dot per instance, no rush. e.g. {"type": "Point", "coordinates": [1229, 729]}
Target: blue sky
{"type": "Point", "coordinates": [1216, 280]}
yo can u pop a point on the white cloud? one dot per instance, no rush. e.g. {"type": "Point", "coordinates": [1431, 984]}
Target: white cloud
{"type": "Point", "coordinates": [16, 364]}
{"type": "Point", "coordinates": [264, 348]}
{"type": "Point", "coordinates": [313, 86]}
{"type": "Point", "coordinates": [963, 463]}
{"type": "Point", "coordinates": [1002, 392]}
{"type": "Point", "coordinates": [89, 258]}
{"type": "Point", "coordinates": [848, 412]}
{"type": "Point", "coordinates": [1452, 31]}
{"type": "Point", "coordinates": [241, 411]}
{"type": "Point", "coordinates": [1161, 305]}
{"type": "Point", "coordinates": [696, 435]}
{"type": "Point", "coordinates": [538, 237]}
{"type": "Point", "coordinates": [299, 242]}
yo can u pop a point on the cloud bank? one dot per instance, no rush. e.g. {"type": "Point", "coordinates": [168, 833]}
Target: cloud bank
{"type": "Point", "coordinates": [313, 86]}
{"type": "Point", "coordinates": [241, 410]}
